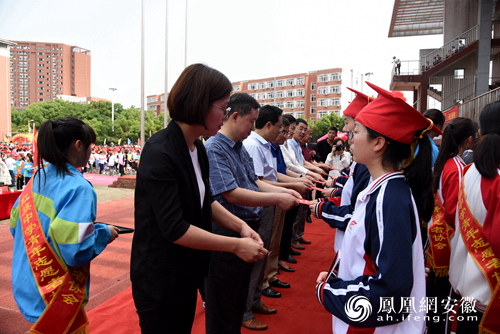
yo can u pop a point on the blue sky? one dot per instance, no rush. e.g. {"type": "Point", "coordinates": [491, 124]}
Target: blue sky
{"type": "Point", "coordinates": [242, 39]}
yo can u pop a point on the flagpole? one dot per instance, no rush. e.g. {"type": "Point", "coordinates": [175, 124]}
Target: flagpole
{"type": "Point", "coordinates": [142, 78]}
{"type": "Point", "coordinates": [165, 113]}
{"type": "Point", "coordinates": [186, 38]}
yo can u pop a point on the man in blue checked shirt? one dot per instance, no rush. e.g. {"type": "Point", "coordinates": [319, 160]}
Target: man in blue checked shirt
{"type": "Point", "coordinates": [234, 184]}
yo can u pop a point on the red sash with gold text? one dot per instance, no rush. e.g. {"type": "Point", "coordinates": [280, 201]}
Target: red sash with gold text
{"type": "Point", "coordinates": [19, 169]}
{"type": "Point", "coordinates": [440, 234]}
{"type": "Point", "coordinates": [62, 290]}
{"type": "Point", "coordinates": [480, 250]}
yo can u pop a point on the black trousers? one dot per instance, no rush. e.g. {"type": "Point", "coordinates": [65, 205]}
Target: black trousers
{"type": "Point", "coordinates": [226, 288]}
{"type": "Point", "coordinates": [172, 314]}
{"type": "Point", "coordinates": [20, 183]}
{"type": "Point", "coordinates": [439, 287]}
{"type": "Point", "coordinates": [286, 236]}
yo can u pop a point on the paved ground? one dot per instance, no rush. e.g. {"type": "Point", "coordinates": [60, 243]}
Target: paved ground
{"type": "Point", "coordinates": [109, 271]}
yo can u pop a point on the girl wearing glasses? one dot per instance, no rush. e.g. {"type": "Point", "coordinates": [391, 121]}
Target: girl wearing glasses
{"type": "Point", "coordinates": [382, 266]}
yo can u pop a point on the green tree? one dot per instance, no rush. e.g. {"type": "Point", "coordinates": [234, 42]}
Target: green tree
{"type": "Point", "coordinates": [321, 127]}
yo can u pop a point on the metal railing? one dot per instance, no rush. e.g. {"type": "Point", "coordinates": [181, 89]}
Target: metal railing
{"type": "Point", "coordinates": [454, 90]}
{"type": "Point", "coordinates": [408, 67]}
{"type": "Point", "coordinates": [467, 38]}
{"type": "Point", "coordinates": [473, 108]}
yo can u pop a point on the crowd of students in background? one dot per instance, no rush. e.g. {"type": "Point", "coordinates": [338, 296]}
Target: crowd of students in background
{"type": "Point", "coordinates": [17, 163]}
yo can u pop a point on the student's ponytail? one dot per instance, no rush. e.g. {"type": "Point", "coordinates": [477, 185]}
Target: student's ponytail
{"type": "Point", "coordinates": [55, 139]}
{"type": "Point", "coordinates": [419, 178]}
{"type": "Point", "coordinates": [487, 153]}
{"type": "Point", "coordinates": [454, 135]}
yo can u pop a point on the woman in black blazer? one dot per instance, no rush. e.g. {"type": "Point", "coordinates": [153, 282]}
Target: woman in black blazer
{"type": "Point", "coordinates": [174, 209]}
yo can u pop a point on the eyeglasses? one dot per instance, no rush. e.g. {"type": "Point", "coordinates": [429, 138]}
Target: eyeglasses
{"type": "Point", "coordinates": [350, 134]}
{"type": "Point", "coordinates": [226, 110]}
{"type": "Point", "coordinates": [284, 132]}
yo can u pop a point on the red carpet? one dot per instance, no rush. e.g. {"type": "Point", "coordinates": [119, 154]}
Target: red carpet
{"type": "Point", "coordinates": [298, 308]}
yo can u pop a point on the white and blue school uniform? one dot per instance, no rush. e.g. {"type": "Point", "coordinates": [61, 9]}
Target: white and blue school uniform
{"type": "Point", "coordinates": [382, 257]}
{"type": "Point", "coordinates": [339, 216]}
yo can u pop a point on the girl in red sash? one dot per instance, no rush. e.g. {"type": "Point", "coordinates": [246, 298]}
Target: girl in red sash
{"type": "Point", "coordinates": [55, 237]}
{"type": "Point", "coordinates": [475, 248]}
{"type": "Point", "coordinates": [458, 136]}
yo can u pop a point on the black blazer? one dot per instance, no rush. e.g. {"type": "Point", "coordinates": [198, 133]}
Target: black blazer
{"type": "Point", "coordinates": [167, 202]}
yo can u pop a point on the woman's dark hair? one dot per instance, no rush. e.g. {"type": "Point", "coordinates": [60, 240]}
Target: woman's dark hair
{"type": "Point", "coordinates": [193, 93]}
{"type": "Point", "coordinates": [454, 135]}
{"type": "Point", "coordinates": [487, 152]}
{"type": "Point", "coordinates": [436, 116]}
{"type": "Point", "coordinates": [418, 173]}
{"type": "Point", "coordinates": [55, 139]}
{"type": "Point", "coordinates": [335, 141]}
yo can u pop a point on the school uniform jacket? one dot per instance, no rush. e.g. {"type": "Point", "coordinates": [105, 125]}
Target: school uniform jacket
{"type": "Point", "coordinates": [482, 196]}
{"type": "Point", "coordinates": [339, 216]}
{"type": "Point", "coordinates": [382, 257]}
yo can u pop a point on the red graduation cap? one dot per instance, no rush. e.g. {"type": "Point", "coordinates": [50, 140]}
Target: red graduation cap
{"type": "Point", "coordinates": [359, 102]}
{"type": "Point", "coordinates": [391, 116]}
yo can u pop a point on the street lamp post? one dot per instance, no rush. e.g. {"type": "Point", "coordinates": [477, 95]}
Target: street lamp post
{"type": "Point", "coordinates": [368, 75]}
{"type": "Point", "coordinates": [29, 128]}
{"type": "Point", "coordinates": [113, 111]}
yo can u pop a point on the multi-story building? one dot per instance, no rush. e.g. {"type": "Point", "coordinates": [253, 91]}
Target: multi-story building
{"type": "Point", "coordinates": [462, 75]}
{"type": "Point", "coordinates": [42, 71]}
{"type": "Point", "coordinates": [5, 116]}
{"type": "Point", "coordinates": [310, 95]}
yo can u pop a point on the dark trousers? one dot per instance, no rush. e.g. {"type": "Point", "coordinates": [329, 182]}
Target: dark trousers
{"type": "Point", "coordinates": [226, 288]}
{"type": "Point", "coordinates": [439, 287]}
{"type": "Point", "coordinates": [13, 178]}
{"type": "Point", "coordinates": [122, 169]}
{"type": "Point", "coordinates": [20, 183]}
{"type": "Point", "coordinates": [172, 314]}
{"type": "Point", "coordinates": [286, 236]}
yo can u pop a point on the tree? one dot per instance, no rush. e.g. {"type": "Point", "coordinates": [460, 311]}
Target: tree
{"type": "Point", "coordinates": [97, 114]}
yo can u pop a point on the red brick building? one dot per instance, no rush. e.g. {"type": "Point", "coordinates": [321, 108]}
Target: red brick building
{"type": "Point", "coordinates": [311, 95]}
{"type": "Point", "coordinates": [41, 71]}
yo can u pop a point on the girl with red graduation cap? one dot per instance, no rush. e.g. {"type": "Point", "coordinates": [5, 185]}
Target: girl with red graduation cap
{"type": "Point", "coordinates": [359, 177]}
{"type": "Point", "coordinates": [381, 277]}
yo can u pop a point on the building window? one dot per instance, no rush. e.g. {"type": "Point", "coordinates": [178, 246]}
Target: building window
{"type": "Point", "coordinates": [270, 95]}
{"type": "Point", "coordinates": [334, 102]}
{"type": "Point", "coordinates": [300, 92]}
{"type": "Point", "coordinates": [261, 85]}
{"type": "Point", "coordinates": [289, 93]}
{"type": "Point", "coordinates": [336, 76]}
{"type": "Point", "coordinates": [313, 110]}
{"type": "Point", "coordinates": [280, 83]}
{"type": "Point", "coordinates": [279, 94]}
{"type": "Point", "coordinates": [313, 86]}
{"type": "Point", "coordinates": [262, 96]}
{"type": "Point", "coordinates": [322, 103]}
{"type": "Point", "coordinates": [335, 89]}
{"type": "Point", "coordinates": [323, 78]}
{"type": "Point", "coordinates": [270, 84]}
{"type": "Point", "coordinates": [299, 115]}
{"type": "Point", "coordinates": [299, 104]}
{"type": "Point", "coordinates": [459, 73]}
{"type": "Point", "coordinates": [40, 48]}
{"type": "Point", "coordinates": [236, 88]}
{"type": "Point", "coordinates": [289, 104]}
{"type": "Point", "coordinates": [280, 105]}
{"type": "Point", "coordinates": [300, 81]}
{"type": "Point", "coordinates": [290, 82]}
{"type": "Point", "coordinates": [323, 90]}
{"type": "Point", "coordinates": [313, 119]}
{"type": "Point", "coordinates": [322, 113]}
{"type": "Point", "coordinates": [252, 86]}
{"type": "Point", "coordinates": [313, 97]}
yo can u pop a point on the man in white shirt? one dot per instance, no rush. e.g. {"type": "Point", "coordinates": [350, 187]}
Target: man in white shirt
{"type": "Point", "coordinates": [9, 162]}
